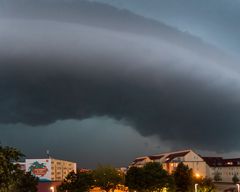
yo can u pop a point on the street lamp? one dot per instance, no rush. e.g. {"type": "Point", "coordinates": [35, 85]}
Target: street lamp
{"type": "Point", "coordinates": [195, 187]}
{"type": "Point", "coordinates": [238, 187]}
{"type": "Point", "coordinates": [52, 189]}
{"type": "Point", "coordinates": [197, 175]}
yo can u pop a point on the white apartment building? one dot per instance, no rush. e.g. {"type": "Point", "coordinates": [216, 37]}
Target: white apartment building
{"type": "Point", "coordinates": [201, 166]}
{"type": "Point", "coordinates": [171, 160]}
{"type": "Point", "coordinates": [50, 169]}
{"type": "Point", "coordinates": [226, 168]}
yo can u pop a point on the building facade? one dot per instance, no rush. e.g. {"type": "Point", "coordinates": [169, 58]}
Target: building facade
{"type": "Point", "coordinates": [209, 167]}
{"type": "Point", "coordinates": [50, 169]}
{"type": "Point", "coordinates": [171, 160]}
{"type": "Point", "coordinates": [226, 169]}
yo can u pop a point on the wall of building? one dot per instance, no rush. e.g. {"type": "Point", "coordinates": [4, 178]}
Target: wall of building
{"type": "Point", "coordinates": [50, 169]}
{"type": "Point", "coordinates": [192, 160]}
{"type": "Point", "coordinates": [40, 168]}
{"type": "Point", "coordinates": [60, 169]}
{"type": "Point", "coordinates": [196, 163]}
{"type": "Point", "coordinates": [226, 173]}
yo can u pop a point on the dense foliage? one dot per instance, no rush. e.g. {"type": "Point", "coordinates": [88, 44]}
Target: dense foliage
{"type": "Point", "coordinates": [107, 177]}
{"type": "Point", "coordinates": [235, 179]}
{"type": "Point", "coordinates": [12, 179]}
{"type": "Point", "coordinates": [77, 182]}
{"type": "Point", "coordinates": [183, 178]}
{"type": "Point", "coordinates": [152, 177]}
{"type": "Point", "coordinates": [134, 179]}
{"type": "Point", "coordinates": [206, 185]}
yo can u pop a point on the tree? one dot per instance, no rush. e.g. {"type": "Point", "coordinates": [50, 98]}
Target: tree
{"type": "Point", "coordinates": [217, 177]}
{"type": "Point", "coordinates": [155, 177]}
{"type": "Point", "coordinates": [77, 182]}
{"type": "Point", "coordinates": [183, 177]}
{"type": "Point", "coordinates": [235, 179]}
{"type": "Point", "coordinates": [152, 177]}
{"type": "Point", "coordinates": [12, 179]}
{"type": "Point", "coordinates": [107, 177]}
{"type": "Point", "coordinates": [134, 179]}
{"type": "Point", "coordinates": [26, 182]}
{"type": "Point", "coordinates": [206, 185]}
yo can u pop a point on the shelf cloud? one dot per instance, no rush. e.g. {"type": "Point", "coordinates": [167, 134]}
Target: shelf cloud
{"type": "Point", "coordinates": [184, 91]}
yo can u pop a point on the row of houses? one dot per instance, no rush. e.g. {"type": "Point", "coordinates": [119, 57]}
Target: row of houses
{"type": "Point", "coordinates": [201, 166]}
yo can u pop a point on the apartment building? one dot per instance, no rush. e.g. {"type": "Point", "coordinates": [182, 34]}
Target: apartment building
{"type": "Point", "coordinates": [201, 166]}
{"type": "Point", "coordinates": [50, 169]}
{"type": "Point", "coordinates": [171, 160]}
{"type": "Point", "coordinates": [225, 168]}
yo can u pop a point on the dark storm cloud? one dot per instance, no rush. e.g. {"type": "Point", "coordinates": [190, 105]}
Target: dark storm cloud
{"type": "Point", "coordinates": [53, 71]}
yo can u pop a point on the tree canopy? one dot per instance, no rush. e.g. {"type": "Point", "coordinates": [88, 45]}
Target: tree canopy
{"type": "Point", "coordinates": [134, 179]}
{"type": "Point", "coordinates": [12, 179]}
{"type": "Point", "coordinates": [206, 185]}
{"type": "Point", "coordinates": [107, 177]}
{"type": "Point", "coordinates": [183, 177]}
{"type": "Point", "coordinates": [235, 179]}
{"type": "Point", "coordinates": [152, 177]}
{"type": "Point", "coordinates": [77, 182]}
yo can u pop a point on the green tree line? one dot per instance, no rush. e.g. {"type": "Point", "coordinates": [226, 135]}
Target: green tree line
{"type": "Point", "coordinates": [150, 178]}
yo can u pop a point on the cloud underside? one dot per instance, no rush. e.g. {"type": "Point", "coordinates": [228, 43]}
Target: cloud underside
{"type": "Point", "coordinates": [53, 71]}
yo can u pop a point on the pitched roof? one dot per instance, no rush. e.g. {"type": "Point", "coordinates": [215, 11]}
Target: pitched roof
{"type": "Point", "coordinates": [232, 162]}
{"type": "Point", "coordinates": [213, 161]}
{"type": "Point", "coordinates": [155, 157]}
{"type": "Point", "coordinates": [170, 157]}
{"type": "Point", "coordinates": [139, 159]}
{"type": "Point", "coordinates": [220, 162]}
{"type": "Point", "coordinates": [163, 157]}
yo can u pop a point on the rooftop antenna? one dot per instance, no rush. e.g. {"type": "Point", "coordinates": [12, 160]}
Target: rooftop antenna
{"type": "Point", "coordinates": [48, 153]}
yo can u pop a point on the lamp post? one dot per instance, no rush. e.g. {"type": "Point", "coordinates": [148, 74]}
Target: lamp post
{"type": "Point", "coordinates": [195, 186]}
{"type": "Point", "coordinates": [238, 187]}
{"type": "Point", "coordinates": [52, 189]}
{"type": "Point", "coordinates": [197, 175]}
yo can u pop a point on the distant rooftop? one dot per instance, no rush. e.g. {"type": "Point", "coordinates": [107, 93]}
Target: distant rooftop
{"type": "Point", "coordinates": [163, 157]}
{"type": "Point", "coordinates": [220, 162]}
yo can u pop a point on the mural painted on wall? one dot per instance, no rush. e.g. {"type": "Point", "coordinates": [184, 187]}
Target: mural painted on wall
{"type": "Point", "coordinates": [40, 168]}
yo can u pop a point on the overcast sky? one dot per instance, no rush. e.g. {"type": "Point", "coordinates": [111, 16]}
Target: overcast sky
{"type": "Point", "coordinates": [94, 83]}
